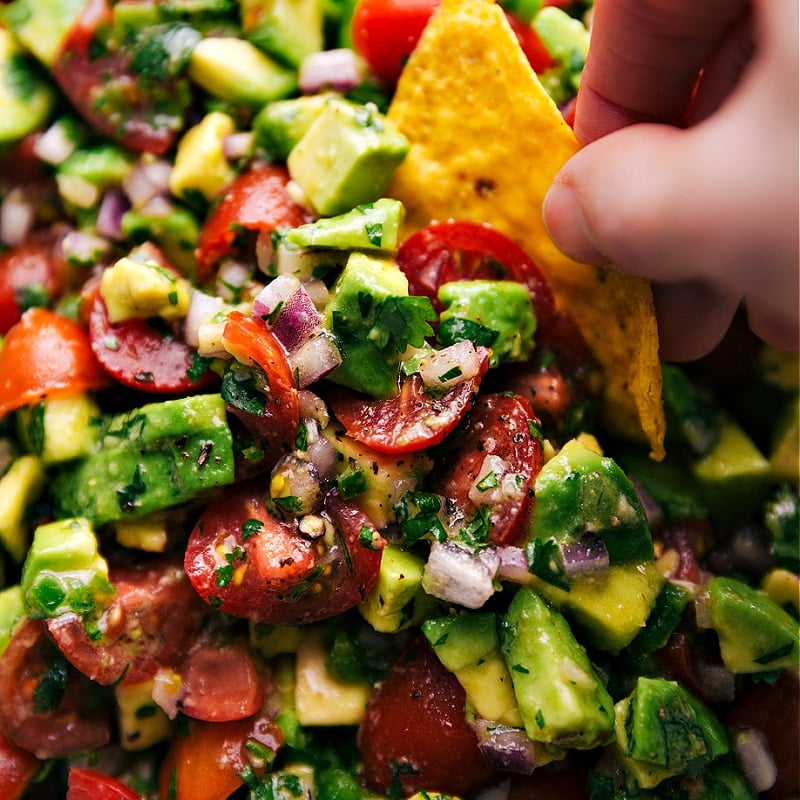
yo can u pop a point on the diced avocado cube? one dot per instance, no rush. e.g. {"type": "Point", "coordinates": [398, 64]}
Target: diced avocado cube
{"type": "Point", "coordinates": [200, 162]}
{"type": "Point", "coordinates": [468, 646]}
{"type": "Point", "coordinates": [664, 618]}
{"type": "Point", "coordinates": [692, 415]}
{"type": "Point", "coordinates": [290, 30]}
{"type": "Point", "coordinates": [397, 601]}
{"type": "Point", "coordinates": [12, 610]}
{"type": "Point", "coordinates": [60, 428]}
{"type": "Point", "coordinates": [346, 157]}
{"type": "Point", "coordinates": [134, 289]}
{"type": "Point", "coordinates": [755, 633]}
{"type": "Point", "coordinates": [566, 39]}
{"type": "Point", "coordinates": [372, 226]}
{"type": "Point", "coordinates": [236, 71]}
{"type": "Point", "coordinates": [734, 474]}
{"type": "Point", "coordinates": [25, 97]}
{"type": "Point", "coordinates": [784, 456]}
{"type": "Point", "coordinates": [320, 698]}
{"type": "Point", "coordinates": [64, 571]}
{"type": "Point", "coordinates": [273, 640]}
{"type": "Point", "coordinates": [612, 607]}
{"type": "Point", "coordinates": [279, 126]}
{"type": "Point", "coordinates": [19, 488]}
{"type": "Point", "coordinates": [503, 307]}
{"type": "Point", "coordinates": [365, 283]}
{"type": "Point", "coordinates": [580, 492]}
{"type": "Point", "coordinates": [154, 457]}
{"type": "Point", "coordinates": [148, 534]}
{"type": "Point", "coordinates": [101, 165]}
{"type": "Point", "coordinates": [141, 723]}
{"type": "Point", "coordinates": [42, 24]}
{"type": "Point", "coordinates": [662, 730]}
{"type": "Point", "coordinates": [560, 696]}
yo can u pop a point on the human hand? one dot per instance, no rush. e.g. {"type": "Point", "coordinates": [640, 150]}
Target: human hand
{"type": "Point", "coordinates": [700, 197]}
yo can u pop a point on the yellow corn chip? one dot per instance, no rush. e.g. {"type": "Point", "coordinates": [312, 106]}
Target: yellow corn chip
{"type": "Point", "coordinates": [486, 143]}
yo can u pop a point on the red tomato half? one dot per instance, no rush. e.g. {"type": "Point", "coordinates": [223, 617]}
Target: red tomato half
{"type": "Point", "coordinates": [139, 113]}
{"type": "Point", "coordinates": [245, 562]}
{"type": "Point", "coordinates": [86, 784]}
{"type": "Point", "coordinates": [45, 355]}
{"type": "Point", "coordinates": [410, 420]}
{"type": "Point", "coordinates": [537, 54]}
{"type": "Point", "coordinates": [152, 623]}
{"type": "Point", "coordinates": [208, 762]}
{"type": "Point", "coordinates": [386, 31]}
{"type": "Point", "coordinates": [459, 250]}
{"type": "Point", "coordinates": [17, 769]}
{"type": "Point", "coordinates": [256, 201]}
{"type": "Point", "coordinates": [31, 268]}
{"type": "Point", "coordinates": [51, 714]}
{"type": "Point", "coordinates": [415, 730]}
{"type": "Point", "coordinates": [499, 425]}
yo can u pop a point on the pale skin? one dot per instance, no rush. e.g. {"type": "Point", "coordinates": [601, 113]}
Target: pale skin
{"type": "Point", "coordinates": [700, 198]}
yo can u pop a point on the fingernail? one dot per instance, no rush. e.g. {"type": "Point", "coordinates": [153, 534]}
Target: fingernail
{"type": "Point", "coordinates": [563, 217]}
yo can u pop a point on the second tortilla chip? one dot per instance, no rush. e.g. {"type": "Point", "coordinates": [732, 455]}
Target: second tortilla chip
{"type": "Point", "coordinates": [486, 143]}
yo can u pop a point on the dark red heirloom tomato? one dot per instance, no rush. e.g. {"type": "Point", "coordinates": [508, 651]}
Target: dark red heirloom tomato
{"type": "Point", "coordinates": [46, 706]}
{"type": "Point", "coordinates": [17, 769]}
{"type": "Point", "coordinates": [87, 784]}
{"type": "Point", "coordinates": [46, 355]}
{"type": "Point", "coordinates": [138, 112]}
{"type": "Point", "coordinates": [412, 419]}
{"type": "Point", "coordinates": [152, 622]}
{"type": "Point", "coordinates": [245, 562]}
{"type": "Point", "coordinates": [504, 426]}
{"type": "Point", "coordinates": [209, 761]}
{"type": "Point", "coordinates": [415, 730]}
{"type": "Point", "coordinates": [256, 201]}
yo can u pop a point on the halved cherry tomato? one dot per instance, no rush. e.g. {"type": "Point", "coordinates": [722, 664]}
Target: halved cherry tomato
{"type": "Point", "coordinates": [499, 425]}
{"type": "Point", "coordinates": [209, 761]}
{"type": "Point", "coordinates": [413, 419]}
{"type": "Point", "coordinates": [461, 250]}
{"type": "Point", "coordinates": [256, 201]}
{"type": "Point", "coordinates": [17, 769]}
{"type": "Point", "coordinates": [45, 355]}
{"type": "Point", "coordinates": [30, 274]}
{"type": "Point", "coordinates": [251, 342]}
{"type": "Point", "coordinates": [245, 562]}
{"type": "Point", "coordinates": [152, 622]}
{"type": "Point", "coordinates": [415, 730]}
{"type": "Point", "coordinates": [220, 682]}
{"type": "Point", "coordinates": [47, 707]}
{"type": "Point", "coordinates": [87, 784]}
{"type": "Point", "coordinates": [140, 113]}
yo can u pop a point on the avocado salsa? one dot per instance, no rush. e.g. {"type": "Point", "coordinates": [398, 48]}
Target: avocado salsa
{"type": "Point", "coordinates": [297, 504]}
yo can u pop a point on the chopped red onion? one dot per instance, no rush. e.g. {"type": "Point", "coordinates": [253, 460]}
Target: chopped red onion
{"type": "Point", "coordinates": [312, 407]}
{"type": "Point", "coordinates": [265, 253]}
{"type": "Point", "coordinates": [586, 556]}
{"type": "Point", "coordinates": [323, 456]}
{"type": "Point", "coordinates": [202, 310]}
{"type": "Point", "coordinates": [303, 264]}
{"type": "Point", "coordinates": [146, 180]}
{"type": "Point", "coordinates": [109, 216]}
{"type": "Point", "coordinates": [318, 292]}
{"type": "Point", "coordinates": [495, 484]}
{"type": "Point", "coordinates": [513, 565]}
{"type": "Point", "coordinates": [756, 759]}
{"type": "Point", "coordinates": [238, 145]}
{"type": "Point", "coordinates": [291, 312]}
{"type": "Point", "coordinates": [297, 477]}
{"type": "Point", "coordinates": [456, 575]}
{"type": "Point", "coordinates": [54, 146]}
{"type": "Point", "coordinates": [506, 748]}
{"type": "Point", "coordinates": [232, 277]}
{"type": "Point", "coordinates": [17, 216]}
{"type": "Point", "coordinates": [84, 248]}
{"type": "Point", "coordinates": [274, 294]}
{"type": "Point", "coordinates": [315, 358]}
{"type": "Point", "coordinates": [158, 206]}
{"type": "Point", "coordinates": [718, 683]}
{"type": "Point", "coordinates": [340, 70]}
{"type": "Point", "coordinates": [167, 691]}
{"type": "Point", "coordinates": [450, 366]}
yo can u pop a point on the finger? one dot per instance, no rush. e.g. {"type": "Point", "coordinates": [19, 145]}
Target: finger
{"type": "Point", "coordinates": [692, 318]}
{"type": "Point", "coordinates": [644, 59]}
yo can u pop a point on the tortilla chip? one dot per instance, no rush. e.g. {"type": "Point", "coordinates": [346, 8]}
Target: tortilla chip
{"type": "Point", "coordinates": [486, 143]}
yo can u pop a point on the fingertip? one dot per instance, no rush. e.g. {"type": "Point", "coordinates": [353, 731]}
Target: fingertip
{"type": "Point", "coordinates": [566, 224]}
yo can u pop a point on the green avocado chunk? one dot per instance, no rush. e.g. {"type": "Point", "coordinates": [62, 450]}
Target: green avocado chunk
{"type": "Point", "coordinates": [12, 610]}
{"type": "Point", "coordinates": [40, 25]}
{"type": "Point", "coordinates": [280, 125]}
{"type": "Point", "coordinates": [289, 30]}
{"type": "Point", "coordinates": [152, 458]}
{"type": "Point", "coordinates": [346, 157]}
{"type": "Point", "coordinates": [580, 492]}
{"type": "Point", "coordinates": [561, 699]}
{"type": "Point", "coordinates": [755, 633]}
{"type": "Point", "coordinates": [502, 307]}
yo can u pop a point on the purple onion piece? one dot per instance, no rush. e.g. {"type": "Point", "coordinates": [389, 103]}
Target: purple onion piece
{"type": "Point", "coordinates": [506, 748]}
{"type": "Point", "coordinates": [113, 206]}
{"type": "Point", "coordinates": [339, 69]}
{"type": "Point", "coordinates": [296, 321]}
{"type": "Point", "coordinates": [587, 555]}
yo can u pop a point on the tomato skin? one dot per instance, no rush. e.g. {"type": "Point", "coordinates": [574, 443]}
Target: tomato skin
{"type": "Point", "coordinates": [31, 264]}
{"type": "Point", "coordinates": [17, 769]}
{"type": "Point", "coordinates": [208, 762]}
{"type": "Point", "coordinates": [156, 614]}
{"type": "Point", "coordinates": [87, 784]}
{"type": "Point", "coordinates": [498, 425]}
{"type": "Point", "coordinates": [45, 355]}
{"type": "Point", "coordinates": [385, 32]}
{"type": "Point", "coordinates": [257, 201]}
{"type": "Point", "coordinates": [84, 76]}
{"type": "Point", "coordinates": [283, 577]}
{"type": "Point", "coordinates": [416, 718]}
{"type": "Point", "coordinates": [410, 420]}
{"type": "Point", "coordinates": [537, 54]}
